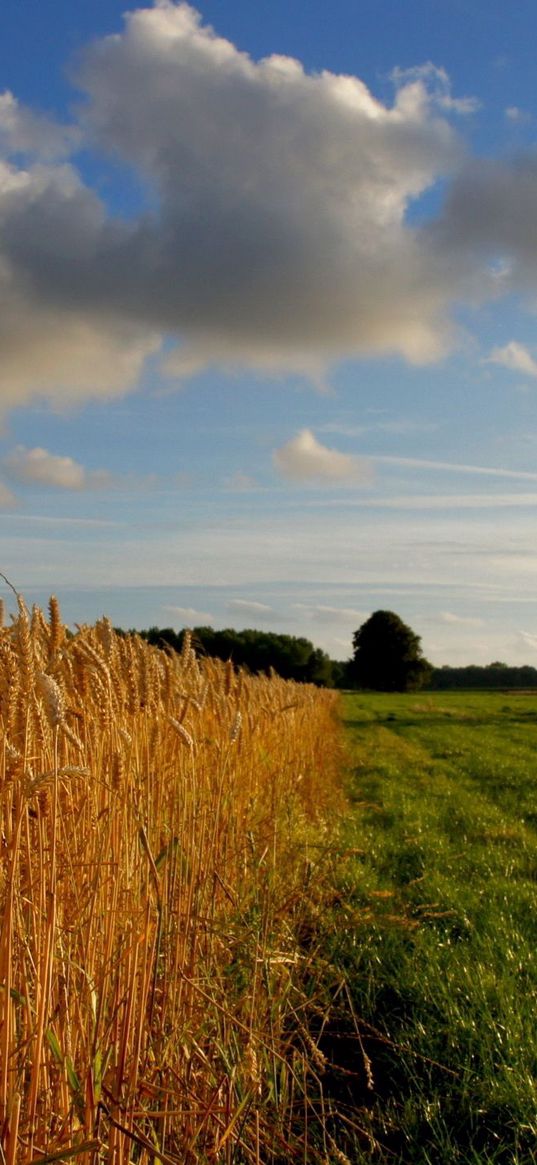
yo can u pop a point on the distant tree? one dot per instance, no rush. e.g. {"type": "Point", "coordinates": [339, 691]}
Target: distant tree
{"type": "Point", "coordinates": [387, 655]}
{"type": "Point", "coordinates": [340, 673]}
{"type": "Point", "coordinates": [320, 669]}
{"type": "Point", "coordinates": [490, 675]}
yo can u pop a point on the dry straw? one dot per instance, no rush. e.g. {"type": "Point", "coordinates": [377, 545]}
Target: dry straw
{"type": "Point", "coordinates": [155, 878]}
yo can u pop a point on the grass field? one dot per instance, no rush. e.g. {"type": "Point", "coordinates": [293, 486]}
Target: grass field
{"type": "Point", "coordinates": [440, 1050]}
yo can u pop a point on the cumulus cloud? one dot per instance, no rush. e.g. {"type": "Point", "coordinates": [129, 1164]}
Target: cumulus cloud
{"type": "Point", "coordinates": [24, 132]}
{"type": "Point", "coordinates": [486, 231]}
{"type": "Point", "coordinates": [275, 234]}
{"type": "Point", "coordinates": [59, 337]}
{"type": "Point", "coordinates": [38, 466]}
{"type": "Point", "coordinates": [305, 459]}
{"type": "Point", "coordinates": [515, 357]}
{"type": "Point", "coordinates": [281, 196]}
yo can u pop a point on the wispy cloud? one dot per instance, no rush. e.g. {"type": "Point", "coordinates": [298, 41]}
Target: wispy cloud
{"type": "Point", "coordinates": [249, 607]}
{"type": "Point", "coordinates": [520, 116]}
{"type": "Point", "coordinates": [529, 639]}
{"type": "Point", "coordinates": [241, 483]}
{"type": "Point", "coordinates": [326, 614]}
{"type": "Point", "coordinates": [53, 520]}
{"type": "Point", "coordinates": [452, 502]}
{"type": "Point", "coordinates": [514, 356]}
{"type": "Point", "coordinates": [304, 459]}
{"type": "Point", "coordinates": [460, 620]}
{"type": "Point", "coordinates": [400, 427]}
{"type": "Point", "coordinates": [8, 501]}
{"type": "Point", "coordinates": [189, 616]}
{"type": "Point", "coordinates": [451, 467]}
{"type": "Point", "coordinates": [435, 82]}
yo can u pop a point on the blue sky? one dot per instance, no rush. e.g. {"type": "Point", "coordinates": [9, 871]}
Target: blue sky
{"type": "Point", "coordinates": [268, 283]}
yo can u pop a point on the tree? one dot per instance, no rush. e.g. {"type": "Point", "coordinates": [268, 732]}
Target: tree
{"type": "Point", "coordinates": [387, 655]}
{"type": "Point", "coordinates": [260, 651]}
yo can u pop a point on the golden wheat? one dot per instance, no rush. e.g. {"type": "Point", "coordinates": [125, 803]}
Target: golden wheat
{"type": "Point", "coordinates": [157, 815]}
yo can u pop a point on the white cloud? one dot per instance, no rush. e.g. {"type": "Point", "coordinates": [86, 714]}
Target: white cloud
{"type": "Point", "coordinates": [460, 620]}
{"type": "Point", "coordinates": [342, 429]}
{"type": "Point", "coordinates": [514, 113]}
{"type": "Point", "coordinates": [241, 483]}
{"type": "Point", "coordinates": [305, 459]}
{"type": "Point", "coordinates": [282, 196]}
{"type": "Point", "coordinates": [25, 132]}
{"type": "Point", "coordinates": [405, 427]}
{"type": "Point", "coordinates": [275, 233]}
{"type": "Point", "coordinates": [189, 616]}
{"type": "Point", "coordinates": [451, 556]}
{"type": "Point", "coordinates": [276, 236]}
{"type": "Point", "coordinates": [528, 638]}
{"type": "Point", "coordinates": [327, 614]}
{"type": "Point", "coordinates": [8, 501]}
{"type": "Point", "coordinates": [515, 357]}
{"type": "Point", "coordinates": [59, 337]}
{"type": "Point", "coordinates": [491, 501]}
{"type": "Point", "coordinates": [401, 427]}
{"type": "Point", "coordinates": [51, 521]}
{"type": "Point", "coordinates": [249, 607]}
{"type": "Point", "coordinates": [431, 83]}
{"type": "Point", "coordinates": [453, 467]}
{"type": "Point", "coordinates": [40, 467]}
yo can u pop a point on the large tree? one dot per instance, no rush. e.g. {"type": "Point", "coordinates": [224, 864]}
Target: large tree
{"type": "Point", "coordinates": [387, 655]}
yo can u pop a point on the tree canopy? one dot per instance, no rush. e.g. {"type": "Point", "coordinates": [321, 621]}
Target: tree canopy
{"type": "Point", "coordinates": [490, 675]}
{"type": "Point", "coordinates": [387, 655]}
{"type": "Point", "coordinates": [292, 657]}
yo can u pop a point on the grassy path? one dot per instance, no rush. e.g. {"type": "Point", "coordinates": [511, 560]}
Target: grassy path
{"type": "Point", "coordinates": [443, 792]}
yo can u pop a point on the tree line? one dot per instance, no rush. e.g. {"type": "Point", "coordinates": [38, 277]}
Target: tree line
{"type": "Point", "coordinates": [492, 675]}
{"type": "Point", "coordinates": [387, 656]}
{"type": "Point", "coordinates": [292, 657]}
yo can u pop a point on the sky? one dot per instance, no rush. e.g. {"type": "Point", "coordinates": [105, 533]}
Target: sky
{"type": "Point", "coordinates": [268, 296]}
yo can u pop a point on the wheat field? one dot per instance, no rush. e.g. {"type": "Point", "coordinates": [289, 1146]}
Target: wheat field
{"type": "Point", "coordinates": [163, 820]}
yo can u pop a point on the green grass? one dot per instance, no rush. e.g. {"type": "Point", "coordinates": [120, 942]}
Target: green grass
{"type": "Point", "coordinates": [443, 981]}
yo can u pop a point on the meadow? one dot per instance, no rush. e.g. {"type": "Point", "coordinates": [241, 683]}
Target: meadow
{"type": "Point", "coordinates": [442, 968]}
